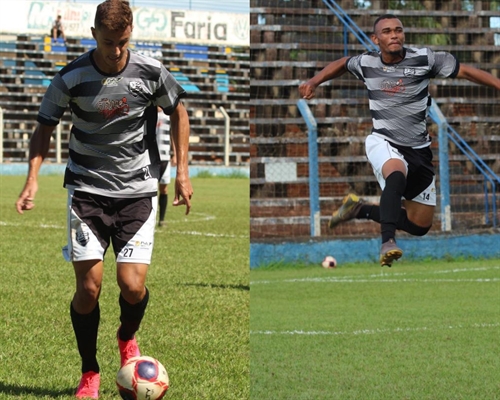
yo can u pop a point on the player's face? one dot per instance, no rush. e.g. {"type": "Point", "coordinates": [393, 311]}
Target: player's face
{"type": "Point", "coordinates": [389, 36]}
{"type": "Point", "coordinates": [111, 52]}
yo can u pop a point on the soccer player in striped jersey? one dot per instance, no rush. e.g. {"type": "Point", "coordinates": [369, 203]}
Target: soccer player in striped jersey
{"type": "Point", "coordinates": [166, 162]}
{"type": "Point", "coordinates": [111, 175]}
{"type": "Point", "coordinates": [397, 79]}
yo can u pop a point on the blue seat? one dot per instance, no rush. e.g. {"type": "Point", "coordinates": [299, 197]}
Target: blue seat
{"type": "Point", "coordinates": [184, 81]}
{"type": "Point", "coordinates": [193, 52]}
{"type": "Point", "coordinates": [90, 43]}
{"type": "Point", "coordinates": [8, 45]}
{"type": "Point", "coordinates": [222, 81]}
{"type": "Point", "coordinates": [42, 80]}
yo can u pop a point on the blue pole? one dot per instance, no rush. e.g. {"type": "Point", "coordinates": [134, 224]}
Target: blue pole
{"type": "Point", "coordinates": [444, 166]}
{"type": "Point", "coordinates": [312, 126]}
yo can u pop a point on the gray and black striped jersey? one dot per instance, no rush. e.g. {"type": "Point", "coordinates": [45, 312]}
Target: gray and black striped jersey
{"type": "Point", "coordinates": [398, 93]}
{"type": "Point", "coordinates": [112, 148]}
{"type": "Point", "coordinates": [163, 136]}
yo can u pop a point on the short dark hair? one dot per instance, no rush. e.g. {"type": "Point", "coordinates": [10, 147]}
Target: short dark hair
{"type": "Point", "coordinates": [385, 16]}
{"type": "Point", "coordinates": [114, 15]}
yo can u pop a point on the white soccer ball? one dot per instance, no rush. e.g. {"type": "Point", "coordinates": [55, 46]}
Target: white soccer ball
{"type": "Point", "coordinates": [329, 262]}
{"type": "Point", "coordinates": [142, 378]}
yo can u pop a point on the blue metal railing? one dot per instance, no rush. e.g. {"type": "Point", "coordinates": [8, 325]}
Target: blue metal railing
{"type": "Point", "coordinates": [489, 175]}
{"type": "Point", "coordinates": [351, 26]}
{"type": "Point", "coordinates": [312, 127]}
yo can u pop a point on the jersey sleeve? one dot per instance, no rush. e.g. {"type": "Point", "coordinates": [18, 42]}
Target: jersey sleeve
{"type": "Point", "coordinates": [353, 65]}
{"type": "Point", "coordinates": [444, 64]}
{"type": "Point", "coordinates": [54, 102]}
{"type": "Point", "coordinates": [169, 92]}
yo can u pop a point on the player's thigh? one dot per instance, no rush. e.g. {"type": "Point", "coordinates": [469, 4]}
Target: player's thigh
{"type": "Point", "coordinates": [419, 213]}
{"type": "Point", "coordinates": [384, 158]}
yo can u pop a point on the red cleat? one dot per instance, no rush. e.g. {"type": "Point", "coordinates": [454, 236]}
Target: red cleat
{"type": "Point", "coordinates": [89, 386]}
{"type": "Point", "coordinates": [128, 349]}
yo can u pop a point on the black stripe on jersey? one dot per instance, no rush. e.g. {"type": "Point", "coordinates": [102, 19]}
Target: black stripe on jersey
{"type": "Point", "coordinates": [147, 72]}
{"type": "Point", "coordinates": [387, 115]}
{"type": "Point", "coordinates": [124, 151]}
{"type": "Point", "coordinates": [457, 68]}
{"type": "Point", "coordinates": [80, 62]}
{"type": "Point", "coordinates": [415, 61]}
{"type": "Point", "coordinates": [72, 179]}
{"type": "Point", "coordinates": [151, 115]}
{"type": "Point", "coordinates": [86, 116]}
{"type": "Point", "coordinates": [381, 95]}
{"type": "Point", "coordinates": [46, 121]}
{"type": "Point", "coordinates": [86, 89]}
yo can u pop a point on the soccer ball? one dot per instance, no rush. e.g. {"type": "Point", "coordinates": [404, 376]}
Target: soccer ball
{"type": "Point", "coordinates": [329, 262]}
{"type": "Point", "coordinates": [142, 378]}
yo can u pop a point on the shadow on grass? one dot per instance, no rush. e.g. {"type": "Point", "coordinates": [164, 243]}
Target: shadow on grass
{"type": "Point", "coordinates": [19, 390]}
{"type": "Point", "coordinates": [211, 285]}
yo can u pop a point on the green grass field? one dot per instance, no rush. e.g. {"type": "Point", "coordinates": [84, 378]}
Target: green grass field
{"type": "Point", "coordinates": [196, 323]}
{"type": "Point", "coordinates": [420, 330]}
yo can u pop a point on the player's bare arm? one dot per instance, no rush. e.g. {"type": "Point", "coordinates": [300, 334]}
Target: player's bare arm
{"type": "Point", "coordinates": [39, 147]}
{"type": "Point", "coordinates": [331, 71]}
{"type": "Point", "coordinates": [179, 128]}
{"type": "Point", "coordinates": [478, 76]}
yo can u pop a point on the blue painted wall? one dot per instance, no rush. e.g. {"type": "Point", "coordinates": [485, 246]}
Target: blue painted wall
{"type": "Point", "coordinates": [367, 250]}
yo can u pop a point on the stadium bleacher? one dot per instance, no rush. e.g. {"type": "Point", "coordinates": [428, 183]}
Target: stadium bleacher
{"type": "Point", "coordinates": [213, 76]}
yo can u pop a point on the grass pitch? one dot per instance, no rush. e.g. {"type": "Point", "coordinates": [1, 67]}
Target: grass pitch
{"type": "Point", "coordinates": [421, 330]}
{"type": "Point", "coordinates": [196, 323]}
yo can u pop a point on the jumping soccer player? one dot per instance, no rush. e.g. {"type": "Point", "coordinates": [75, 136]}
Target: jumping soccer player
{"type": "Point", "coordinates": [397, 80]}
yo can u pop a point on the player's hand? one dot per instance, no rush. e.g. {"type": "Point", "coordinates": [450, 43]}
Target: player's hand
{"type": "Point", "coordinates": [306, 90]}
{"type": "Point", "coordinates": [183, 191]}
{"type": "Point", "coordinates": [26, 199]}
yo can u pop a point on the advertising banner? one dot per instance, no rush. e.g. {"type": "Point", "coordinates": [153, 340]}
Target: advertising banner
{"type": "Point", "coordinates": [150, 24]}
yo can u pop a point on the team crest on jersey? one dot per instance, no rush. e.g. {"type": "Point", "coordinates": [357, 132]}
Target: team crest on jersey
{"type": "Point", "coordinates": [409, 71]}
{"type": "Point", "coordinates": [138, 87]}
{"type": "Point", "coordinates": [112, 81]}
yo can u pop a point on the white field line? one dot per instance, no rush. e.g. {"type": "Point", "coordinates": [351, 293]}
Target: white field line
{"type": "Point", "coordinates": [197, 218]}
{"type": "Point", "coordinates": [194, 233]}
{"type": "Point", "coordinates": [377, 330]}
{"type": "Point", "coordinates": [389, 277]}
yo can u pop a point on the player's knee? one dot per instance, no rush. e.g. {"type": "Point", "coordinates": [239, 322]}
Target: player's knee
{"type": "Point", "coordinates": [417, 230]}
{"type": "Point", "coordinates": [132, 292]}
{"type": "Point", "coordinates": [133, 296]}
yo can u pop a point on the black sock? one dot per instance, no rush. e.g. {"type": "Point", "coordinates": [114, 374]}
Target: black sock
{"type": "Point", "coordinates": [86, 327]}
{"type": "Point", "coordinates": [131, 316]}
{"type": "Point", "coordinates": [390, 204]}
{"type": "Point", "coordinates": [369, 211]}
{"type": "Point", "coordinates": [163, 206]}
{"type": "Point", "coordinates": [406, 225]}
{"type": "Point", "coordinates": [372, 212]}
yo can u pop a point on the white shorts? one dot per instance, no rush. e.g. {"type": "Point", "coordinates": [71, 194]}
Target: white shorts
{"type": "Point", "coordinates": [165, 178]}
{"type": "Point", "coordinates": [94, 222]}
{"type": "Point", "coordinates": [379, 151]}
